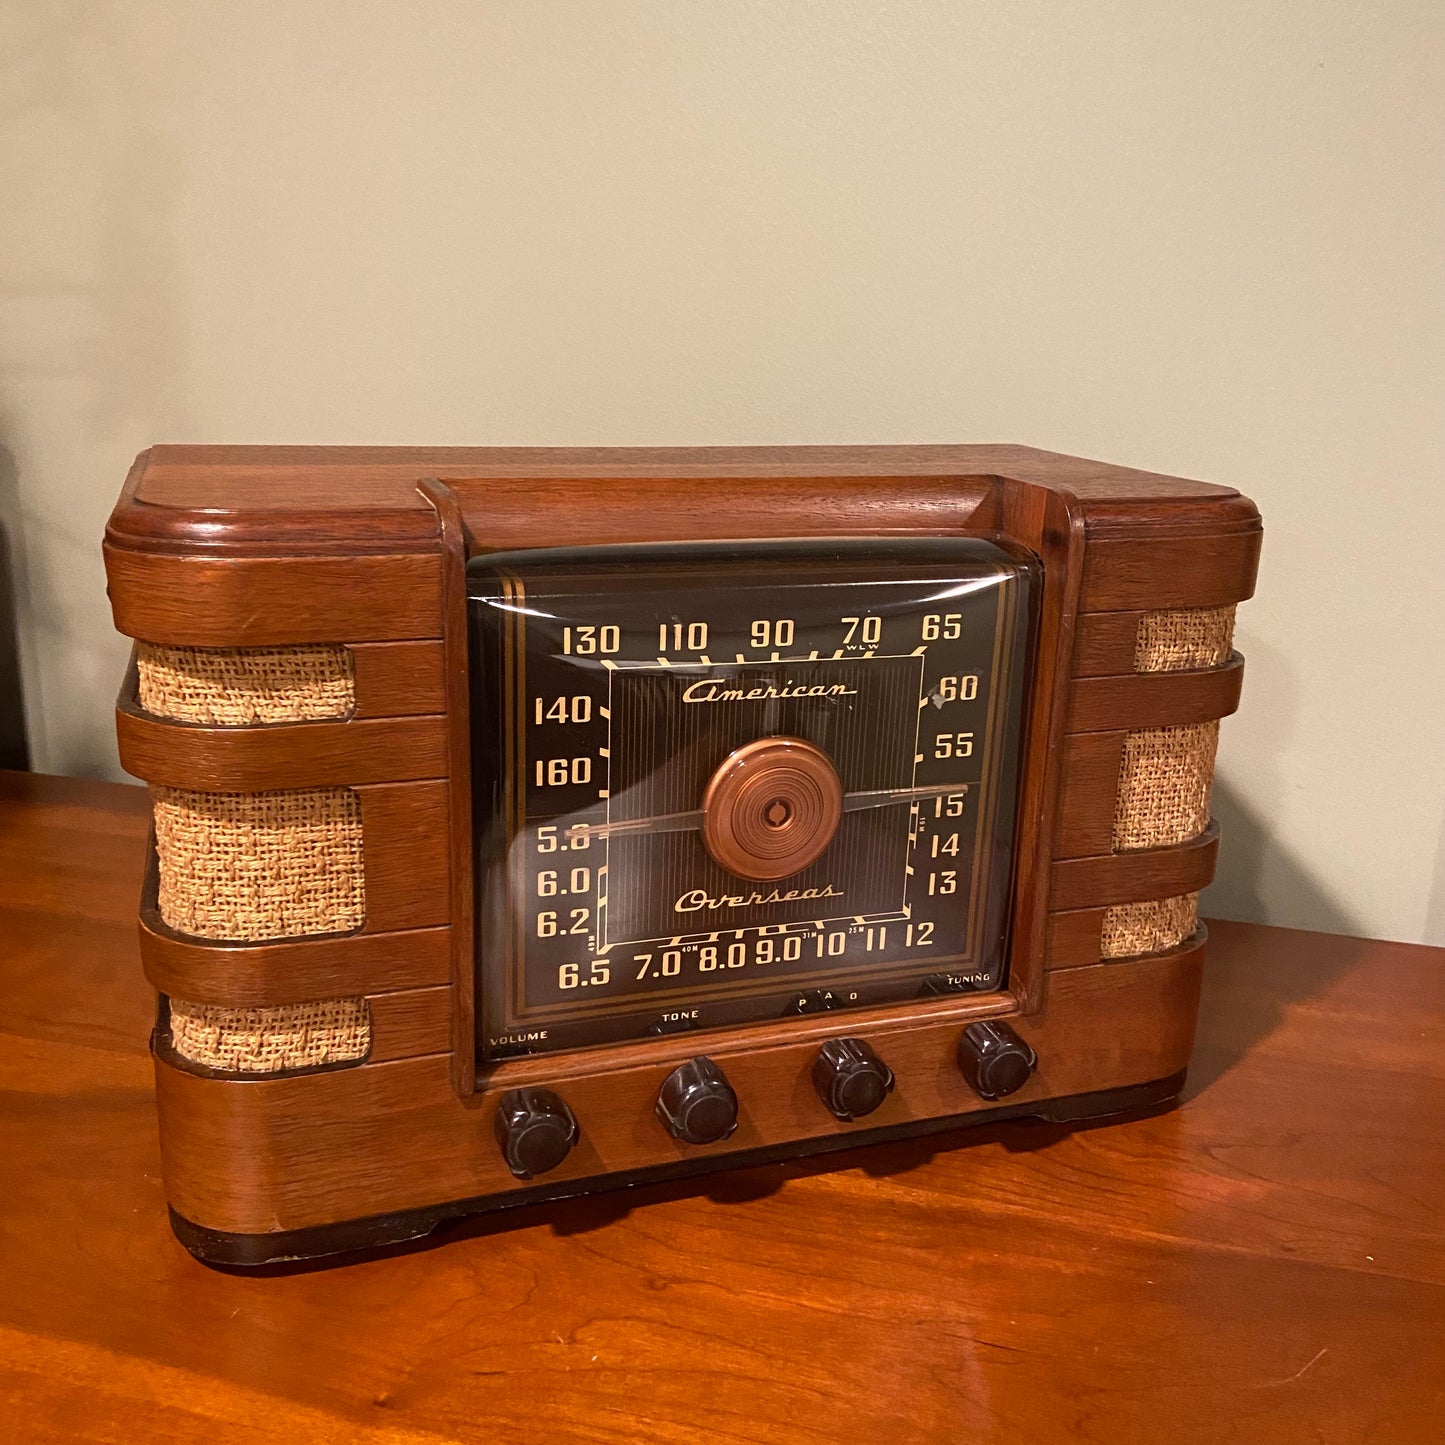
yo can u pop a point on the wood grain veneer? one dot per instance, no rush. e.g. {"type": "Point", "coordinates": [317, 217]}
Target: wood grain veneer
{"type": "Point", "coordinates": [1265, 1262]}
{"type": "Point", "coordinates": [247, 975]}
{"type": "Point", "coordinates": [1089, 786]}
{"type": "Point", "coordinates": [1155, 699]}
{"type": "Point", "coordinates": [259, 601]}
{"type": "Point", "coordinates": [397, 679]}
{"type": "Point", "coordinates": [280, 755]}
{"type": "Point", "coordinates": [392, 1137]}
{"type": "Point", "coordinates": [1136, 874]}
{"type": "Point", "coordinates": [366, 548]}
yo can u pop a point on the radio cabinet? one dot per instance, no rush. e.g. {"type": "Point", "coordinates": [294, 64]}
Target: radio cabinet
{"type": "Point", "coordinates": [314, 708]}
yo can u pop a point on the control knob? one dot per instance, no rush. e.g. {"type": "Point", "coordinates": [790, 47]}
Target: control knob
{"type": "Point", "coordinates": [696, 1104]}
{"type": "Point", "coordinates": [850, 1078]}
{"type": "Point", "coordinates": [536, 1130]}
{"type": "Point", "coordinates": [994, 1059]}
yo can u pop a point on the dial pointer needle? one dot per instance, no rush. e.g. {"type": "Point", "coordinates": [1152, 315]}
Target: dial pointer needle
{"type": "Point", "coordinates": [885, 797]}
{"type": "Point", "coordinates": [692, 820]}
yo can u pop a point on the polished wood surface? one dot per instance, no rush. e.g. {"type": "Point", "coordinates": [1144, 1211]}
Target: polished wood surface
{"type": "Point", "coordinates": [1158, 572]}
{"type": "Point", "coordinates": [396, 678]}
{"type": "Point", "coordinates": [315, 493]}
{"type": "Point", "coordinates": [1135, 875]}
{"type": "Point", "coordinates": [1154, 699]}
{"type": "Point", "coordinates": [1264, 1264]}
{"type": "Point", "coordinates": [205, 540]}
{"type": "Point", "coordinates": [1088, 791]}
{"type": "Point", "coordinates": [262, 601]}
{"type": "Point", "coordinates": [258, 974]}
{"type": "Point", "coordinates": [258, 1155]}
{"type": "Point", "coordinates": [451, 534]}
{"type": "Point", "coordinates": [280, 755]}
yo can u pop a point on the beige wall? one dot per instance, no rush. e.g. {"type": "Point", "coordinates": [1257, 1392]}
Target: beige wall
{"type": "Point", "coordinates": [1197, 237]}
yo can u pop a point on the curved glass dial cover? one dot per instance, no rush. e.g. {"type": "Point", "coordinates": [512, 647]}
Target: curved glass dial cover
{"type": "Point", "coordinates": [718, 783]}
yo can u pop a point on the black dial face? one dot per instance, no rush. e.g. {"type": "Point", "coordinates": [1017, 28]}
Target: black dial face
{"type": "Point", "coordinates": [729, 782]}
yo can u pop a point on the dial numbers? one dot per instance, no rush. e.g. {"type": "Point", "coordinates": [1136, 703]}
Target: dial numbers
{"type": "Point", "coordinates": [604, 909]}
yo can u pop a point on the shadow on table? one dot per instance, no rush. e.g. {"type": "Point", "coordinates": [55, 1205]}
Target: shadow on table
{"type": "Point", "coordinates": [14, 749]}
{"type": "Point", "coordinates": [1249, 984]}
{"type": "Point", "coordinates": [744, 1185]}
{"type": "Point", "coordinates": [1251, 980]}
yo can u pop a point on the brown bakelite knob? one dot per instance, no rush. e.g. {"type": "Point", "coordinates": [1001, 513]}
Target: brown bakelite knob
{"type": "Point", "coordinates": [994, 1059]}
{"type": "Point", "coordinates": [696, 1103]}
{"type": "Point", "coordinates": [535, 1129]}
{"type": "Point", "coordinates": [850, 1078]}
{"type": "Point", "coordinates": [771, 808]}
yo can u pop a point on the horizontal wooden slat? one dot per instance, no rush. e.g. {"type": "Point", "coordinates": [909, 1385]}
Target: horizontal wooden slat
{"type": "Point", "coordinates": [1075, 938]}
{"type": "Point", "coordinates": [237, 975]}
{"type": "Point", "coordinates": [279, 755]}
{"type": "Point", "coordinates": [1175, 572]}
{"type": "Point", "coordinates": [398, 679]}
{"type": "Point", "coordinates": [1155, 699]}
{"type": "Point", "coordinates": [1136, 875]}
{"type": "Point", "coordinates": [253, 601]}
{"type": "Point", "coordinates": [410, 1025]}
{"type": "Point", "coordinates": [1105, 643]}
{"type": "Point", "coordinates": [404, 847]}
{"type": "Point", "coordinates": [1089, 792]}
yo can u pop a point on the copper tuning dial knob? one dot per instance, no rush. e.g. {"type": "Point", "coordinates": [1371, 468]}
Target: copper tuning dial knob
{"type": "Point", "coordinates": [771, 808]}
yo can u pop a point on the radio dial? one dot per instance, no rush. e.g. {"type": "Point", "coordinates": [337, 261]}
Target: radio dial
{"type": "Point", "coordinates": [697, 1104]}
{"type": "Point", "coordinates": [536, 1130]}
{"type": "Point", "coordinates": [994, 1059]}
{"type": "Point", "coordinates": [771, 808]}
{"type": "Point", "coordinates": [728, 764]}
{"type": "Point", "coordinates": [850, 1078]}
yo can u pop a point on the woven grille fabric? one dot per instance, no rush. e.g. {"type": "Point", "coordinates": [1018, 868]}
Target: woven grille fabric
{"type": "Point", "coordinates": [244, 686]}
{"type": "Point", "coordinates": [263, 1040]}
{"type": "Point", "coordinates": [259, 865]}
{"type": "Point", "coordinates": [1135, 928]}
{"type": "Point", "coordinates": [1165, 778]}
{"type": "Point", "coordinates": [1184, 641]}
{"type": "Point", "coordinates": [1164, 785]}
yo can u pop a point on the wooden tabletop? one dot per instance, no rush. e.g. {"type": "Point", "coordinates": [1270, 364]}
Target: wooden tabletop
{"type": "Point", "coordinates": [1264, 1264]}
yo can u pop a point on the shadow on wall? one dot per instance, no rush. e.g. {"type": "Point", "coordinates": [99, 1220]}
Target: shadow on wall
{"type": "Point", "coordinates": [1245, 997]}
{"type": "Point", "coordinates": [1257, 879]}
{"type": "Point", "coordinates": [1251, 853]}
{"type": "Point", "coordinates": [94, 186]}
{"type": "Point", "coordinates": [14, 749]}
{"type": "Point", "coordinates": [1434, 930]}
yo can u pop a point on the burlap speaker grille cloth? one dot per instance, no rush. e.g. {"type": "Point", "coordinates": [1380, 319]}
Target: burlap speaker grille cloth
{"type": "Point", "coordinates": [251, 866]}
{"type": "Point", "coordinates": [244, 686]}
{"type": "Point", "coordinates": [1184, 641]}
{"type": "Point", "coordinates": [264, 1040]}
{"type": "Point", "coordinates": [1165, 778]}
{"type": "Point", "coordinates": [1164, 786]}
{"type": "Point", "coordinates": [1135, 928]}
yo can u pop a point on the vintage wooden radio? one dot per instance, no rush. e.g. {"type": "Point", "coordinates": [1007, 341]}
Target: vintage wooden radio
{"type": "Point", "coordinates": [531, 822]}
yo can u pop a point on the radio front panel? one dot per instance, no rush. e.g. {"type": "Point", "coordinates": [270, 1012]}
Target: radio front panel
{"type": "Point", "coordinates": [739, 783]}
{"type": "Point", "coordinates": [801, 798]}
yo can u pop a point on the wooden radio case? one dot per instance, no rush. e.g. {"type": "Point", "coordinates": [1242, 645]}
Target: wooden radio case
{"type": "Point", "coordinates": [299, 704]}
